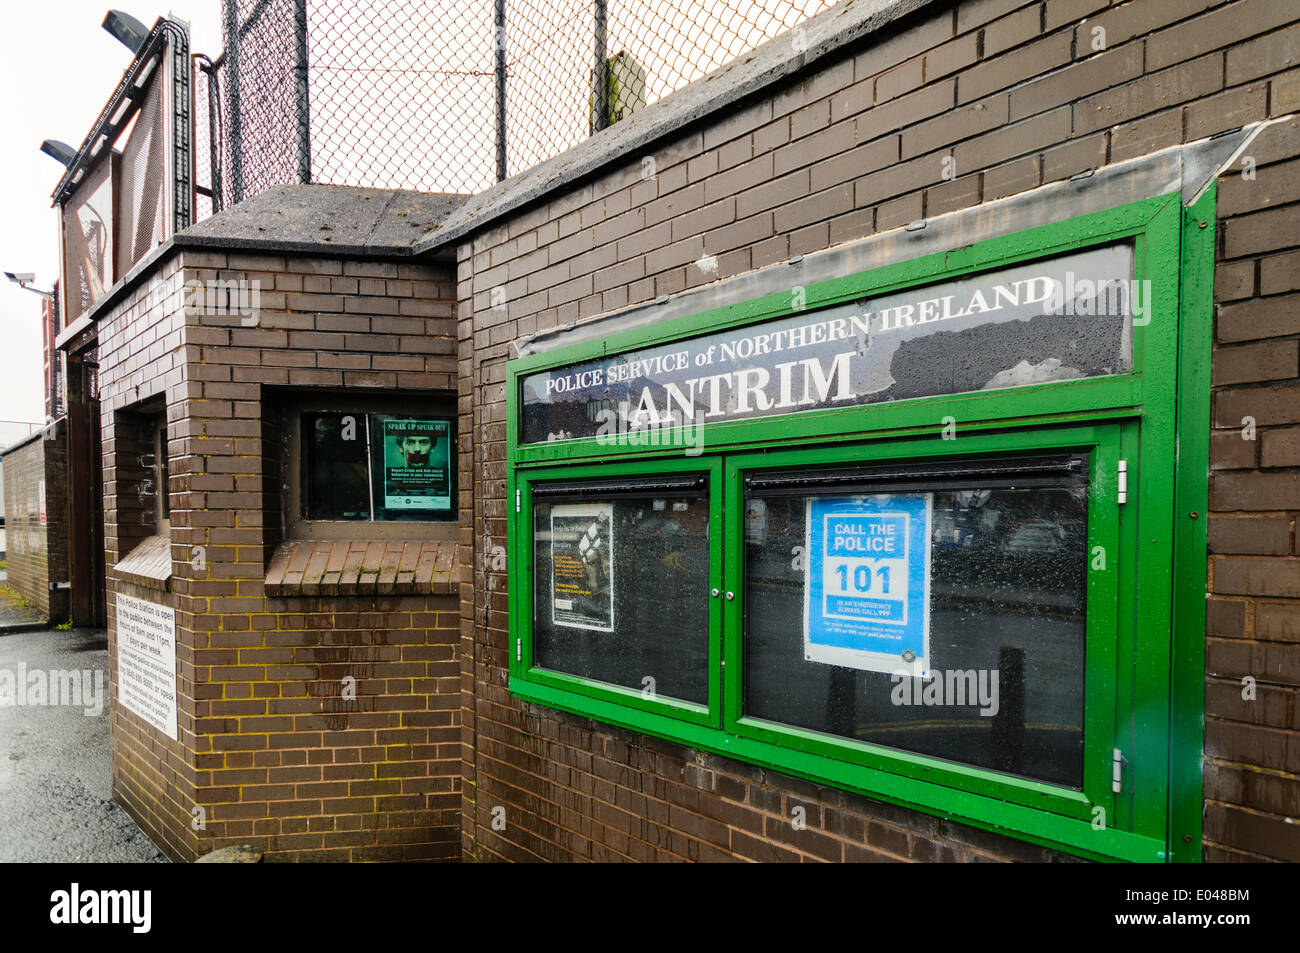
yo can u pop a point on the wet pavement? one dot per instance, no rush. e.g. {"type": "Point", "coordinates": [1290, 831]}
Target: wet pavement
{"type": "Point", "coordinates": [55, 801]}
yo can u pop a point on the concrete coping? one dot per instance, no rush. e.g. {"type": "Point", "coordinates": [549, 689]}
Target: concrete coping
{"type": "Point", "coordinates": [337, 220]}
{"type": "Point", "coordinates": [31, 437]}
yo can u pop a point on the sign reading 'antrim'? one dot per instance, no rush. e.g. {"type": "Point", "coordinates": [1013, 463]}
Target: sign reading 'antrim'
{"type": "Point", "coordinates": [1050, 320]}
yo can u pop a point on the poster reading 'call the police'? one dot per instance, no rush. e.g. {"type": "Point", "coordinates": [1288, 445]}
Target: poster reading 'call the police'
{"type": "Point", "coordinates": [867, 582]}
{"type": "Point", "coordinates": [417, 464]}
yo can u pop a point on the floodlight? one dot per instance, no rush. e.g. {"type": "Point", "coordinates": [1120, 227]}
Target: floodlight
{"type": "Point", "coordinates": [126, 29]}
{"type": "Point", "coordinates": [60, 151]}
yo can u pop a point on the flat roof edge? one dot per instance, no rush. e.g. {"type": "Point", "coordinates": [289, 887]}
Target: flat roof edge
{"type": "Point", "coordinates": [181, 242]}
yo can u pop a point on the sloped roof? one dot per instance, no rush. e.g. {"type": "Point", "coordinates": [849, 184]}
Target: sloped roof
{"type": "Point", "coordinates": [319, 218]}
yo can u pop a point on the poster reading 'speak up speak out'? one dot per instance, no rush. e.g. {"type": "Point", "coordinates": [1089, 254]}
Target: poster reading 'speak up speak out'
{"type": "Point", "coordinates": [417, 464]}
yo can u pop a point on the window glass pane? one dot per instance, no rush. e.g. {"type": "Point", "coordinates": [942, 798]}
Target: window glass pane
{"type": "Point", "coordinates": [621, 589]}
{"type": "Point", "coordinates": [334, 460]}
{"type": "Point", "coordinates": [412, 467]}
{"type": "Point", "coordinates": [1005, 619]}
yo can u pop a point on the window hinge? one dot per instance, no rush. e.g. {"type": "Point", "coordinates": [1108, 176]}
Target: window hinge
{"type": "Point", "coordinates": [1117, 770]}
{"type": "Point", "coordinates": [1123, 481]}
{"type": "Point", "coordinates": [518, 498]}
{"type": "Point", "coordinates": [519, 650]}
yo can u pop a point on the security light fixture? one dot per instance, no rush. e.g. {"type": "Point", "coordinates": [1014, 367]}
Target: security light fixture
{"type": "Point", "coordinates": [126, 29]}
{"type": "Point", "coordinates": [60, 151]}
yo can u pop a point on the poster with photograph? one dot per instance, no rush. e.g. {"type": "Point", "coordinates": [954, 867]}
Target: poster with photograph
{"type": "Point", "coordinates": [867, 582]}
{"type": "Point", "coordinates": [582, 566]}
{"type": "Point", "coordinates": [417, 463]}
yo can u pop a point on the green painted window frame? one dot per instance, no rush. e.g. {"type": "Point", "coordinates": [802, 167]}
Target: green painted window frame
{"type": "Point", "coordinates": [1104, 444]}
{"type": "Point", "coordinates": [632, 698]}
{"type": "Point", "coordinates": [1156, 415]}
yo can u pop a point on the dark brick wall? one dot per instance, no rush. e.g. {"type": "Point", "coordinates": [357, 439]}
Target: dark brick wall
{"type": "Point", "coordinates": [268, 748]}
{"type": "Point", "coordinates": [1252, 768]}
{"type": "Point", "coordinates": [141, 357]}
{"type": "Point", "coordinates": [37, 553]}
{"type": "Point", "coordinates": [1011, 95]}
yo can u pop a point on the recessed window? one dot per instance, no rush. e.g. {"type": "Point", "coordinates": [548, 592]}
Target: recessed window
{"type": "Point", "coordinates": [141, 474]}
{"type": "Point", "coordinates": [377, 467]}
{"type": "Point", "coordinates": [362, 466]}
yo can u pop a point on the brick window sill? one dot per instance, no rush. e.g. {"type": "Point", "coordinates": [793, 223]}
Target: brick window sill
{"type": "Point", "coordinates": [363, 567]}
{"type": "Point", "coordinates": [149, 564]}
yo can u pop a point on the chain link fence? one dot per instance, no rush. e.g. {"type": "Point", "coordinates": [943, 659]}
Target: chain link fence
{"type": "Point", "coordinates": [446, 95]}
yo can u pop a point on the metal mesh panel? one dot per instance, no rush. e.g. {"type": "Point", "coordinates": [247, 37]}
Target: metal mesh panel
{"type": "Point", "coordinates": [260, 97]}
{"type": "Point", "coordinates": [404, 93]}
{"type": "Point", "coordinates": [205, 127]}
{"type": "Point", "coordinates": [143, 183]}
{"type": "Point", "coordinates": [88, 241]}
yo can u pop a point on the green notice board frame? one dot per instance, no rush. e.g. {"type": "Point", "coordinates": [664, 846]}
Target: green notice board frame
{"type": "Point", "coordinates": [1145, 651]}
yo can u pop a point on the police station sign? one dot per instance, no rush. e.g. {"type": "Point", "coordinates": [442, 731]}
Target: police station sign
{"type": "Point", "coordinates": [1056, 319]}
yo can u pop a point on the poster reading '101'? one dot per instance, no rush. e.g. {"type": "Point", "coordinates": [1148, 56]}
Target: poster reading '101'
{"type": "Point", "coordinates": [867, 582]}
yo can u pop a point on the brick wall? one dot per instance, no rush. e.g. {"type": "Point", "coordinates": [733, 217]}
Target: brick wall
{"type": "Point", "coordinates": [1252, 771]}
{"type": "Point", "coordinates": [1009, 95]}
{"type": "Point", "coordinates": [37, 553]}
{"type": "Point", "coordinates": [141, 363]}
{"type": "Point", "coordinates": [268, 748]}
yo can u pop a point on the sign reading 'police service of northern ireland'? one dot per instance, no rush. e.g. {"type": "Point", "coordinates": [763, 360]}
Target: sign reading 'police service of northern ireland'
{"type": "Point", "coordinates": [1057, 319]}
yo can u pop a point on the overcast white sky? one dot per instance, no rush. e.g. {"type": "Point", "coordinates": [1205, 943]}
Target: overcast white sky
{"type": "Point", "coordinates": [57, 69]}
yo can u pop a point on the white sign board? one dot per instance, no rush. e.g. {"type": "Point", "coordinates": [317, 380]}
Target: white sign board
{"type": "Point", "coordinates": [146, 661]}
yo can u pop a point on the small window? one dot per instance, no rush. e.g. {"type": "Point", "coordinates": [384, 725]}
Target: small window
{"type": "Point", "coordinates": [337, 469]}
{"type": "Point", "coordinates": [140, 460]}
{"type": "Point", "coordinates": [377, 467]}
{"type": "Point", "coordinates": [385, 462]}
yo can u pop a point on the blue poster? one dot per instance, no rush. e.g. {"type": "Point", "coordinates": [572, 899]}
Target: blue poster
{"type": "Point", "coordinates": [867, 582]}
